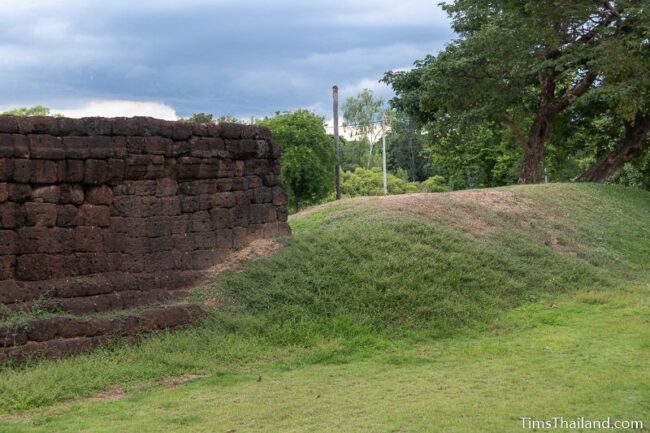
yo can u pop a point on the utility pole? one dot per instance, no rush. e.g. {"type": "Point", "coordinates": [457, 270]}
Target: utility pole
{"type": "Point", "coordinates": [383, 139]}
{"type": "Point", "coordinates": [337, 143]}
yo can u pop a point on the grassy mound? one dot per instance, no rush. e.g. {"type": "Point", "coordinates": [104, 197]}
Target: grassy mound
{"type": "Point", "coordinates": [435, 263]}
{"type": "Point", "coordinates": [359, 273]}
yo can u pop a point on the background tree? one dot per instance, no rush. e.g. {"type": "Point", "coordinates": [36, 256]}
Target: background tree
{"type": "Point", "coordinates": [209, 118]}
{"type": "Point", "coordinates": [405, 146]}
{"type": "Point", "coordinates": [37, 110]}
{"type": "Point", "coordinates": [518, 64]}
{"type": "Point", "coordinates": [228, 118]}
{"type": "Point", "coordinates": [307, 163]}
{"type": "Point", "coordinates": [201, 118]}
{"type": "Point", "coordinates": [362, 116]}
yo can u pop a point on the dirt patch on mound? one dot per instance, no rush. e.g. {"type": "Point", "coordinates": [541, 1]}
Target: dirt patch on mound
{"type": "Point", "coordinates": [179, 380]}
{"type": "Point", "coordinates": [109, 394]}
{"type": "Point", "coordinates": [481, 214]}
{"type": "Point", "coordinates": [467, 211]}
{"type": "Point", "coordinates": [256, 249]}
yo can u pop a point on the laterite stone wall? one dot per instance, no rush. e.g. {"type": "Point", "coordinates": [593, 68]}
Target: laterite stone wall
{"type": "Point", "coordinates": [92, 206]}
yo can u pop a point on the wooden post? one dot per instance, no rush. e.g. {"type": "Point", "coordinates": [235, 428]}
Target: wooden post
{"type": "Point", "coordinates": [337, 143]}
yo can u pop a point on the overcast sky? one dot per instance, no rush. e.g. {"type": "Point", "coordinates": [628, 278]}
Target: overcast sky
{"type": "Point", "coordinates": [171, 58]}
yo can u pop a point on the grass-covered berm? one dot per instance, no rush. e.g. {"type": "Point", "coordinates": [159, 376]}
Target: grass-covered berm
{"type": "Point", "coordinates": [454, 312]}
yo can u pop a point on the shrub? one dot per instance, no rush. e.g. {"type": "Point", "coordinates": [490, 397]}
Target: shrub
{"type": "Point", "coordinates": [307, 164]}
{"type": "Point", "coordinates": [433, 184]}
{"type": "Point", "coordinates": [363, 181]}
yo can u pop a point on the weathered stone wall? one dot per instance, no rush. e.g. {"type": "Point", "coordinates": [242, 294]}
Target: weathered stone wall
{"type": "Point", "coordinates": [93, 206]}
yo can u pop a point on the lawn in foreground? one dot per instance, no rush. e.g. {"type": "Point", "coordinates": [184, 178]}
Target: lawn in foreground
{"type": "Point", "coordinates": [584, 356]}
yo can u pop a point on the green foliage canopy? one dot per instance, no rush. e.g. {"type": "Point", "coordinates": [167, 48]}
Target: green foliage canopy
{"type": "Point", "coordinates": [363, 182]}
{"type": "Point", "coordinates": [362, 114]}
{"type": "Point", "coordinates": [521, 65]}
{"type": "Point", "coordinates": [308, 161]}
{"type": "Point", "coordinates": [37, 110]}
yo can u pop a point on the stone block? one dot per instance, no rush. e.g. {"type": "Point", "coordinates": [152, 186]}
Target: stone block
{"type": "Point", "coordinates": [239, 184]}
{"type": "Point", "coordinates": [4, 192]}
{"type": "Point", "coordinates": [257, 167]}
{"type": "Point", "coordinates": [20, 192]}
{"type": "Point", "coordinates": [200, 221]}
{"type": "Point", "coordinates": [35, 267]}
{"type": "Point", "coordinates": [72, 194]}
{"type": "Point", "coordinates": [12, 215]}
{"type": "Point", "coordinates": [224, 199]}
{"type": "Point", "coordinates": [279, 196]}
{"type": "Point", "coordinates": [22, 170]}
{"type": "Point", "coordinates": [8, 124]}
{"type": "Point", "coordinates": [158, 146]}
{"type": "Point", "coordinates": [166, 187]}
{"type": "Point", "coordinates": [221, 218]}
{"type": "Point", "coordinates": [239, 216]}
{"type": "Point", "coordinates": [7, 268]}
{"type": "Point", "coordinates": [262, 195]}
{"type": "Point", "coordinates": [88, 239]}
{"type": "Point", "coordinates": [76, 147]}
{"type": "Point", "coordinates": [66, 215]}
{"type": "Point", "coordinates": [95, 172]}
{"type": "Point", "coordinates": [6, 146]}
{"type": "Point", "coordinates": [8, 242]}
{"type": "Point", "coordinates": [71, 170]}
{"type": "Point", "coordinates": [6, 169]}
{"type": "Point", "coordinates": [93, 215]}
{"type": "Point", "coordinates": [100, 147]}
{"type": "Point", "coordinates": [188, 167]}
{"type": "Point", "coordinates": [225, 239]}
{"type": "Point", "coordinates": [46, 147]}
{"type": "Point", "coordinates": [94, 126]}
{"type": "Point", "coordinates": [116, 171]}
{"type": "Point", "coordinates": [41, 214]}
{"type": "Point", "coordinates": [46, 194]}
{"type": "Point", "coordinates": [240, 237]}
{"type": "Point", "coordinates": [262, 213]}
{"type": "Point", "coordinates": [100, 195]}
{"type": "Point", "coordinates": [44, 172]}
{"type": "Point", "coordinates": [231, 131]}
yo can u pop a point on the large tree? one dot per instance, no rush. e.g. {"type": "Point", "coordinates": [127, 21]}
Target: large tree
{"type": "Point", "coordinates": [362, 114]}
{"type": "Point", "coordinates": [521, 64]}
{"type": "Point", "coordinates": [405, 143]}
{"type": "Point", "coordinates": [307, 162]}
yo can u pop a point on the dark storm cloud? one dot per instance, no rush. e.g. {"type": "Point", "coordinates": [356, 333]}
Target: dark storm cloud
{"type": "Point", "coordinates": [238, 57]}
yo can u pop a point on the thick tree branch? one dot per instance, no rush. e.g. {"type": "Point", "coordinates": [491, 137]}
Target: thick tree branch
{"type": "Point", "coordinates": [519, 136]}
{"type": "Point", "coordinates": [576, 91]}
{"type": "Point", "coordinates": [633, 145]}
{"type": "Point", "coordinates": [608, 5]}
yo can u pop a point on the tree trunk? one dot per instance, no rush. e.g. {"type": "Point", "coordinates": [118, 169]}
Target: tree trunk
{"type": "Point", "coordinates": [534, 145]}
{"type": "Point", "coordinates": [631, 146]}
{"type": "Point", "coordinates": [549, 108]}
{"type": "Point", "coordinates": [534, 148]}
{"type": "Point", "coordinates": [411, 132]}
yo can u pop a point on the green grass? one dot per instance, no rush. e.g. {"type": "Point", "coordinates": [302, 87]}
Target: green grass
{"type": "Point", "coordinates": [377, 315]}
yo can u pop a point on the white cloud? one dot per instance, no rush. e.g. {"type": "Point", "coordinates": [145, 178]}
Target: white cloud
{"type": "Point", "coordinates": [120, 108]}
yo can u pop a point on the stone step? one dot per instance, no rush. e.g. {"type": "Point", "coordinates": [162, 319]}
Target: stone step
{"type": "Point", "coordinates": [116, 301]}
{"type": "Point", "coordinates": [57, 337]}
{"type": "Point", "coordinates": [17, 292]}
